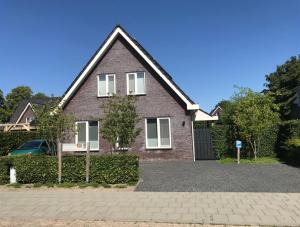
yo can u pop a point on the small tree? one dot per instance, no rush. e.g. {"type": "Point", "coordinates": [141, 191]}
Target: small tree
{"type": "Point", "coordinates": [254, 113]}
{"type": "Point", "coordinates": [52, 123]}
{"type": "Point", "coordinates": [118, 126]}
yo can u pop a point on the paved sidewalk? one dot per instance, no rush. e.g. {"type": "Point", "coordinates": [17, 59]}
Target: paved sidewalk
{"type": "Point", "coordinates": [175, 207]}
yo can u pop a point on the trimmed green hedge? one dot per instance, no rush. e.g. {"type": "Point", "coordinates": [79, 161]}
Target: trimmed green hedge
{"type": "Point", "coordinates": [289, 134]}
{"type": "Point", "coordinates": [12, 140]}
{"type": "Point", "coordinates": [219, 140]}
{"type": "Point", "coordinates": [224, 136]}
{"type": "Point", "coordinates": [268, 142]}
{"type": "Point", "coordinates": [111, 169]}
{"type": "Point", "coordinates": [293, 150]}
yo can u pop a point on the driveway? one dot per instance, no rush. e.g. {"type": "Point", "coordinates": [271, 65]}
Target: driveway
{"type": "Point", "coordinates": [210, 176]}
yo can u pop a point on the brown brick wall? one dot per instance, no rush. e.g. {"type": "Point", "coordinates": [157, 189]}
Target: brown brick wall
{"type": "Point", "coordinates": [28, 113]}
{"type": "Point", "coordinates": [158, 102]}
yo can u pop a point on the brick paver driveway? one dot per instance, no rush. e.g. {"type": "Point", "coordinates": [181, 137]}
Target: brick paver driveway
{"type": "Point", "coordinates": [170, 207]}
{"type": "Point", "coordinates": [210, 176]}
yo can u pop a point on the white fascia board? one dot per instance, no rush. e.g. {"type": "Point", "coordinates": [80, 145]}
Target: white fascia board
{"type": "Point", "coordinates": [188, 103]}
{"type": "Point", "coordinates": [28, 105]}
{"type": "Point", "coordinates": [190, 106]}
{"type": "Point", "coordinates": [202, 116]}
{"type": "Point", "coordinates": [88, 68]}
{"type": "Point", "coordinates": [193, 107]}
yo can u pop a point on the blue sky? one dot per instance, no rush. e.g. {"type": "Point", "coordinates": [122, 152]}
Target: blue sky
{"type": "Point", "coordinates": [207, 46]}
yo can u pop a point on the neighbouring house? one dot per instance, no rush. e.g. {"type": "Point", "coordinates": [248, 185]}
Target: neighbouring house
{"type": "Point", "coordinates": [295, 114]}
{"type": "Point", "coordinates": [23, 116]}
{"type": "Point", "coordinates": [216, 112]}
{"type": "Point", "coordinates": [121, 65]}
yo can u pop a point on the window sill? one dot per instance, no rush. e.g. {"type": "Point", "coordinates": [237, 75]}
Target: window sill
{"type": "Point", "coordinates": [158, 148]}
{"type": "Point", "coordinates": [104, 96]}
{"type": "Point", "coordinates": [137, 94]}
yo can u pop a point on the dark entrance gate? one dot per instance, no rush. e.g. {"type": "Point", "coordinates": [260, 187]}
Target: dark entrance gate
{"type": "Point", "coordinates": [203, 144]}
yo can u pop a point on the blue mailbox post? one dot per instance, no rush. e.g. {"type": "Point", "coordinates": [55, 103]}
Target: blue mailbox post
{"type": "Point", "coordinates": [238, 145]}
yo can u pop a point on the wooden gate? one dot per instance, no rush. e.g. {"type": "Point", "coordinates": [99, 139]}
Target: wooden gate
{"type": "Point", "coordinates": [203, 144]}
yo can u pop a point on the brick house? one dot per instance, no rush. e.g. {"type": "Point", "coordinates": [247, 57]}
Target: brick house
{"type": "Point", "coordinates": [121, 65]}
{"type": "Point", "coordinates": [23, 116]}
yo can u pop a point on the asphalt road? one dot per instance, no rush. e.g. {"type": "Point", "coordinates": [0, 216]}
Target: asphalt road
{"type": "Point", "coordinates": [210, 176]}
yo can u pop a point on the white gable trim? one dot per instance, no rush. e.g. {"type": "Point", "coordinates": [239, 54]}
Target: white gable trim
{"type": "Point", "coordinates": [27, 106]}
{"type": "Point", "coordinates": [118, 30]}
{"type": "Point", "coordinates": [202, 116]}
{"type": "Point", "coordinates": [218, 107]}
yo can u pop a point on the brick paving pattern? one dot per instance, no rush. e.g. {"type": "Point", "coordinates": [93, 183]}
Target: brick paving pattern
{"type": "Point", "coordinates": [280, 209]}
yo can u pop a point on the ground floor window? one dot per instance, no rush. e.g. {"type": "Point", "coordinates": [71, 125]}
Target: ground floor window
{"type": "Point", "coordinates": [158, 133]}
{"type": "Point", "coordinates": [87, 131]}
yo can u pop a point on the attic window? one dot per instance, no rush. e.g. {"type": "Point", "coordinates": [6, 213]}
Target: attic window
{"type": "Point", "coordinates": [106, 85]}
{"type": "Point", "coordinates": [136, 83]}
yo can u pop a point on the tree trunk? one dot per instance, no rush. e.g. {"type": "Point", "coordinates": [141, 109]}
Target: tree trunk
{"type": "Point", "coordinates": [254, 151]}
{"type": "Point", "coordinates": [252, 147]}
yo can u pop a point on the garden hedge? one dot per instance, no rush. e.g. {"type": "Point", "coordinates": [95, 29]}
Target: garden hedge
{"type": "Point", "coordinates": [12, 140]}
{"type": "Point", "coordinates": [289, 135]}
{"type": "Point", "coordinates": [219, 140]}
{"type": "Point", "coordinates": [110, 169]}
{"type": "Point", "coordinates": [224, 136]}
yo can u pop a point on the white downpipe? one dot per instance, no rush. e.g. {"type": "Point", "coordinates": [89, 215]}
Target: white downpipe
{"type": "Point", "coordinates": [193, 141]}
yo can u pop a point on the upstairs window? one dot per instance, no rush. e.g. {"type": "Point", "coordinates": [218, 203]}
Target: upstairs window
{"type": "Point", "coordinates": [29, 119]}
{"type": "Point", "coordinates": [136, 83]}
{"type": "Point", "coordinates": [106, 85]}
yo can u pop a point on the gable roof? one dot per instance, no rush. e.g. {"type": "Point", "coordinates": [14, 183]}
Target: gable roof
{"type": "Point", "coordinates": [119, 31]}
{"type": "Point", "coordinates": [24, 105]}
{"type": "Point", "coordinates": [215, 110]}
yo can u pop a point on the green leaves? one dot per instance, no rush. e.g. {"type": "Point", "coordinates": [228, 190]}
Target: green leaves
{"type": "Point", "coordinates": [118, 124]}
{"type": "Point", "coordinates": [282, 86]}
{"type": "Point", "coordinates": [52, 123]}
{"type": "Point", "coordinates": [109, 169]}
{"type": "Point", "coordinates": [14, 139]}
{"type": "Point", "coordinates": [252, 117]}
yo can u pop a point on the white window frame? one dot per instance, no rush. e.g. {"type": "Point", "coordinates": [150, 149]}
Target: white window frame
{"type": "Point", "coordinates": [135, 83]}
{"type": "Point", "coordinates": [87, 134]}
{"type": "Point", "coordinates": [28, 120]}
{"type": "Point", "coordinates": [158, 133]}
{"type": "Point", "coordinates": [106, 84]}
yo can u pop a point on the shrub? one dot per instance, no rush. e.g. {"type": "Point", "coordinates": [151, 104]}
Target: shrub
{"type": "Point", "coordinates": [12, 140]}
{"type": "Point", "coordinates": [35, 169]}
{"type": "Point", "coordinates": [73, 169]}
{"type": "Point", "coordinates": [224, 136]}
{"type": "Point", "coordinates": [293, 150]}
{"type": "Point", "coordinates": [4, 172]}
{"type": "Point", "coordinates": [219, 140]}
{"type": "Point", "coordinates": [268, 142]}
{"type": "Point", "coordinates": [112, 169]}
{"type": "Point", "coordinates": [289, 131]}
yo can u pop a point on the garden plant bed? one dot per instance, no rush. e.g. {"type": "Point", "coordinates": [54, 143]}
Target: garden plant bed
{"type": "Point", "coordinates": [67, 186]}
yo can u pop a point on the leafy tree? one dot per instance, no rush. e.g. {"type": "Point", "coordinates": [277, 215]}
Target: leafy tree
{"type": "Point", "coordinates": [253, 114]}
{"type": "Point", "coordinates": [52, 123]}
{"type": "Point", "coordinates": [119, 122]}
{"type": "Point", "coordinates": [40, 95]}
{"type": "Point", "coordinates": [2, 110]}
{"type": "Point", "coordinates": [2, 99]}
{"type": "Point", "coordinates": [282, 85]}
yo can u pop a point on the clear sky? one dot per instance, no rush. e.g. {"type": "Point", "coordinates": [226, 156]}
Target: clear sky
{"type": "Point", "coordinates": [206, 46]}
